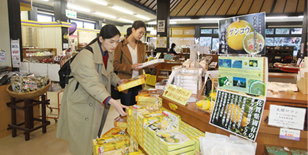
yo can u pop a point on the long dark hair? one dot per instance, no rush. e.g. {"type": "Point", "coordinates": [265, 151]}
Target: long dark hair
{"type": "Point", "coordinates": [107, 32]}
{"type": "Point", "coordinates": [128, 31]}
{"type": "Point", "coordinates": [137, 24]}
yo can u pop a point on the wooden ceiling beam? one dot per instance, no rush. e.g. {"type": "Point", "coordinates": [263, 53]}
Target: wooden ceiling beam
{"type": "Point", "coordinates": [178, 8]}
{"type": "Point", "coordinates": [224, 7]}
{"type": "Point", "coordinates": [279, 6]}
{"type": "Point", "coordinates": [151, 6]}
{"type": "Point", "coordinates": [183, 7]}
{"type": "Point", "coordinates": [205, 7]}
{"type": "Point", "coordinates": [196, 8]}
{"type": "Point", "coordinates": [256, 6]}
{"type": "Point", "coordinates": [213, 9]}
{"type": "Point", "coordinates": [267, 6]}
{"type": "Point", "coordinates": [174, 5]}
{"type": "Point", "coordinates": [234, 7]}
{"type": "Point", "coordinates": [300, 6]}
{"type": "Point", "coordinates": [245, 7]}
{"type": "Point", "coordinates": [187, 7]}
{"type": "Point", "coordinates": [139, 5]}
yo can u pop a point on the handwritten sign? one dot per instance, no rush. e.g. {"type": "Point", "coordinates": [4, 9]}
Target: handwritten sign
{"type": "Point", "coordinates": [15, 53]}
{"type": "Point", "coordinates": [177, 94]}
{"type": "Point", "coordinates": [289, 134]}
{"type": "Point", "coordinates": [2, 56]}
{"type": "Point", "coordinates": [288, 117]}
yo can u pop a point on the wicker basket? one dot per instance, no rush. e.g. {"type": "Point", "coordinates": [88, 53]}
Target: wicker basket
{"type": "Point", "coordinates": [28, 95]}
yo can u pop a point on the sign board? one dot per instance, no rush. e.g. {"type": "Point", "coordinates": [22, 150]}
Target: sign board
{"type": "Point", "coordinates": [242, 34]}
{"type": "Point", "coordinates": [161, 25]}
{"type": "Point", "coordinates": [177, 94]}
{"type": "Point", "coordinates": [288, 117]}
{"type": "Point", "coordinates": [289, 134]}
{"type": "Point", "coordinates": [161, 42]}
{"type": "Point", "coordinates": [2, 56]}
{"type": "Point", "coordinates": [15, 53]}
{"type": "Point", "coordinates": [168, 56]}
{"type": "Point", "coordinates": [243, 74]}
{"type": "Point", "coordinates": [238, 113]}
{"type": "Point", "coordinates": [71, 14]}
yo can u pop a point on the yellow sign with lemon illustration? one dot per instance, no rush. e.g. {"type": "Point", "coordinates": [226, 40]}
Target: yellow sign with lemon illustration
{"type": "Point", "coordinates": [242, 34]}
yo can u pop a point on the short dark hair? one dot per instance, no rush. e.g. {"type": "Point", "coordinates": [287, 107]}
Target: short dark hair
{"type": "Point", "coordinates": [172, 45]}
{"type": "Point", "coordinates": [137, 24]}
{"type": "Point", "coordinates": [109, 31]}
{"type": "Point", "coordinates": [128, 31]}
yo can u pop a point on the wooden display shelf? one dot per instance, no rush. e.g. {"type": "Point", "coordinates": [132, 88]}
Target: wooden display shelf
{"type": "Point", "coordinates": [200, 120]}
{"type": "Point", "coordinates": [51, 50]}
{"type": "Point", "coordinates": [295, 99]}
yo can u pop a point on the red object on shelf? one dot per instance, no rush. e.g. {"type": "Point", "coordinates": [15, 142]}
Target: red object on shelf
{"type": "Point", "coordinates": [287, 67]}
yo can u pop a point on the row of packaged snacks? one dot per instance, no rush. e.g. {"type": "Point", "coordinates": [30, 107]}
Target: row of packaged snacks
{"type": "Point", "coordinates": [28, 82]}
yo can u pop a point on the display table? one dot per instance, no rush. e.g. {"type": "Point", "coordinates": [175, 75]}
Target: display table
{"type": "Point", "coordinates": [163, 70]}
{"type": "Point", "coordinates": [200, 120]}
{"type": "Point", "coordinates": [295, 99]}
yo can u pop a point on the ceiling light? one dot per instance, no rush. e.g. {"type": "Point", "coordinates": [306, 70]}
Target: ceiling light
{"type": "Point", "coordinates": [184, 19]}
{"type": "Point", "coordinates": [45, 0]}
{"type": "Point", "coordinates": [143, 17]}
{"type": "Point", "coordinates": [172, 22]}
{"type": "Point", "coordinates": [77, 8]}
{"type": "Point", "coordinates": [123, 10]}
{"type": "Point", "coordinates": [300, 16]}
{"type": "Point", "coordinates": [125, 20]}
{"type": "Point", "coordinates": [152, 23]}
{"type": "Point", "coordinates": [105, 15]}
{"type": "Point", "coordinates": [100, 2]}
{"type": "Point", "coordinates": [210, 18]}
{"type": "Point", "coordinates": [276, 17]}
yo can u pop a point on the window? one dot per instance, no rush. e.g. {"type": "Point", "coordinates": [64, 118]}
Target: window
{"type": "Point", "coordinates": [206, 31]}
{"type": "Point", "coordinates": [282, 31]}
{"type": "Point", "coordinates": [296, 30]}
{"type": "Point", "coordinates": [89, 25]}
{"type": "Point", "coordinates": [269, 31]}
{"type": "Point", "coordinates": [44, 18]}
{"type": "Point", "coordinates": [215, 31]}
{"type": "Point", "coordinates": [215, 44]}
{"type": "Point", "coordinates": [284, 41]}
{"type": "Point", "coordinates": [79, 23]}
{"type": "Point", "coordinates": [206, 41]}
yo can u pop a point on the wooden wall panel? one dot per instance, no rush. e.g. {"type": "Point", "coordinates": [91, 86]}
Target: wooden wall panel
{"type": "Point", "coordinates": [256, 6]}
{"type": "Point", "coordinates": [195, 8]}
{"type": "Point", "coordinates": [178, 8]}
{"type": "Point", "coordinates": [300, 6]}
{"type": "Point", "coordinates": [224, 7]}
{"type": "Point", "coordinates": [214, 7]}
{"type": "Point", "coordinates": [290, 6]}
{"type": "Point", "coordinates": [234, 7]}
{"type": "Point", "coordinates": [173, 5]}
{"type": "Point", "coordinates": [205, 7]}
{"type": "Point", "coordinates": [267, 6]}
{"type": "Point", "coordinates": [155, 7]}
{"type": "Point", "coordinates": [245, 7]}
{"type": "Point", "coordinates": [186, 8]}
{"type": "Point", "coordinates": [279, 7]}
{"type": "Point", "coordinates": [148, 3]}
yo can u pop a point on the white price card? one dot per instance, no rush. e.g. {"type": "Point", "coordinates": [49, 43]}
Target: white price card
{"type": "Point", "coordinates": [287, 117]}
{"type": "Point", "coordinates": [289, 134]}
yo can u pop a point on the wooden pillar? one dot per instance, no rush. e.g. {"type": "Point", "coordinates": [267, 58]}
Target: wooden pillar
{"type": "Point", "coordinates": [163, 13]}
{"type": "Point", "coordinates": [304, 42]}
{"type": "Point", "coordinates": [15, 26]}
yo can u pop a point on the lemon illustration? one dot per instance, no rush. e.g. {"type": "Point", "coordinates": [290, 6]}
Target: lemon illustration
{"type": "Point", "coordinates": [236, 33]}
{"type": "Point", "coordinates": [257, 87]}
{"type": "Point", "coordinates": [213, 95]}
{"type": "Point", "coordinates": [206, 105]}
{"type": "Point", "coordinates": [249, 42]}
{"type": "Point", "coordinates": [165, 135]}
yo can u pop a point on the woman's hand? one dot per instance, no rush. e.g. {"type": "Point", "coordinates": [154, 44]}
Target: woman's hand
{"type": "Point", "coordinates": [136, 66]}
{"type": "Point", "coordinates": [122, 81]}
{"type": "Point", "coordinates": [118, 106]}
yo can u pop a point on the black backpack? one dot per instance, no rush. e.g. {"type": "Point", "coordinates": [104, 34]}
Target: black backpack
{"type": "Point", "coordinates": [65, 70]}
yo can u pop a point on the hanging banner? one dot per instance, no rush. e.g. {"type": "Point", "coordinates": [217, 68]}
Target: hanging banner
{"type": "Point", "coordinates": [238, 113]}
{"type": "Point", "coordinates": [161, 25]}
{"type": "Point", "coordinates": [15, 53]}
{"type": "Point", "coordinates": [242, 34]}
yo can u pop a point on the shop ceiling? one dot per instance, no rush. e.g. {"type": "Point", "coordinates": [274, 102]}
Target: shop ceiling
{"type": "Point", "coordinates": [199, 11]}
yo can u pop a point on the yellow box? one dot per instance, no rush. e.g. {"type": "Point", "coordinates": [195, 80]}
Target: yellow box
{"type": "Point", "coordinates": [108, 146]}
{"type": "Point", "coordinates": [133, 82]}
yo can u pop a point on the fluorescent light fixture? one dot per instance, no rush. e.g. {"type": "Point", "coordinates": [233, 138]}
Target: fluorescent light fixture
{"type": "Point", "coordinates": [172, 22]}
{"type": "Point", "coordinates": [276, 17]}
{"type": "Point", "coordinates": [152, 23]}
{"type": "Point", "coordinates": [105, 15]}
{"type": "Point", "coordinates": [45, 0]}
{"type": "Point", "coordinates": [300, 16]}
{"type": "Point", "coordinates": [77, 8]}
{"type": "Point", "coordinates": [143, 17]}
{"type": "Point", "coordinates": [210, 18]}
{"type": "Point", "coordinates": [184, 19]}
{"type": "Point", "coordinates": [125, 20]}
{"type": "Point", "coordinates": [47, 13]}
{"type": "Point", "coordinates": [100, 2]}
{"type": "Point", "coordinates": [123, 10]}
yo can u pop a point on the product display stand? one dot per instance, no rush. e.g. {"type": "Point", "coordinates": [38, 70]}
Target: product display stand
{"type": "Point", "coordinates": [29, 119]}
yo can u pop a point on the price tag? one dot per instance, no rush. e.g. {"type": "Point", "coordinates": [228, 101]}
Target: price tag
{"type": "Point", "coordinates": [289, 134]}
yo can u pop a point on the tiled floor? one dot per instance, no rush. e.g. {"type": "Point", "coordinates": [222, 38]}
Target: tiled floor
{"type": "Point", "coordinates": [45, 144]}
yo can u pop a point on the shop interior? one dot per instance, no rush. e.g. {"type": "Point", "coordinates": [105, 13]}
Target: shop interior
{"type": "Point", "coordinates": [48, 40]}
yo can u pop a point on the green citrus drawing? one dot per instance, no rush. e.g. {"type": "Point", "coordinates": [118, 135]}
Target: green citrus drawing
{"type": "Point", "coordinates": [249, 42]}
{"type": "Point", "coordinates": [257, 87]}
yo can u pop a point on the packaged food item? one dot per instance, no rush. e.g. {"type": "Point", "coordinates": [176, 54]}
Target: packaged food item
{"type": "Point", "coordinates": [28, 82]}
{"type": "Point", "coordinates": [110, 139]}
{"type": "Point", "coordinates": [113, 131]}
{"type": "Point", "coordinates": [102, 148]}
{"type": "Point", "coordinates": [120, 122]}
{"type": "Point", "coordinates": [133, 82]}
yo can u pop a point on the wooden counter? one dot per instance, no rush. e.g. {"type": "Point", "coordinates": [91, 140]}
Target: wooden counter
{"type": "Point", "coordinates": [267, 134]}
{"type": "Point", "coordinates": [295, 99]}
{"type": "Point", "coordinates": [166, 67]}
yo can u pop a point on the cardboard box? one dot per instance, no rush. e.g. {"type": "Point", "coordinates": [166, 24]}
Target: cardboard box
{"type": "Point", "coordinates": [302, 82]}
{"type": "Point", "coordinates": [133, 82]}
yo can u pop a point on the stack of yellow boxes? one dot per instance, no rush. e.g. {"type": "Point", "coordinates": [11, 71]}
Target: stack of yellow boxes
{"type": "Point", "coordinates": [102, 145]}
{"type": "Point", "coordinates": [191, 133]}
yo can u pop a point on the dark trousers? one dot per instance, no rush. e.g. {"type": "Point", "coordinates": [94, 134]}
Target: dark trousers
{"type": "Point", "coordinates": [130, 98]}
